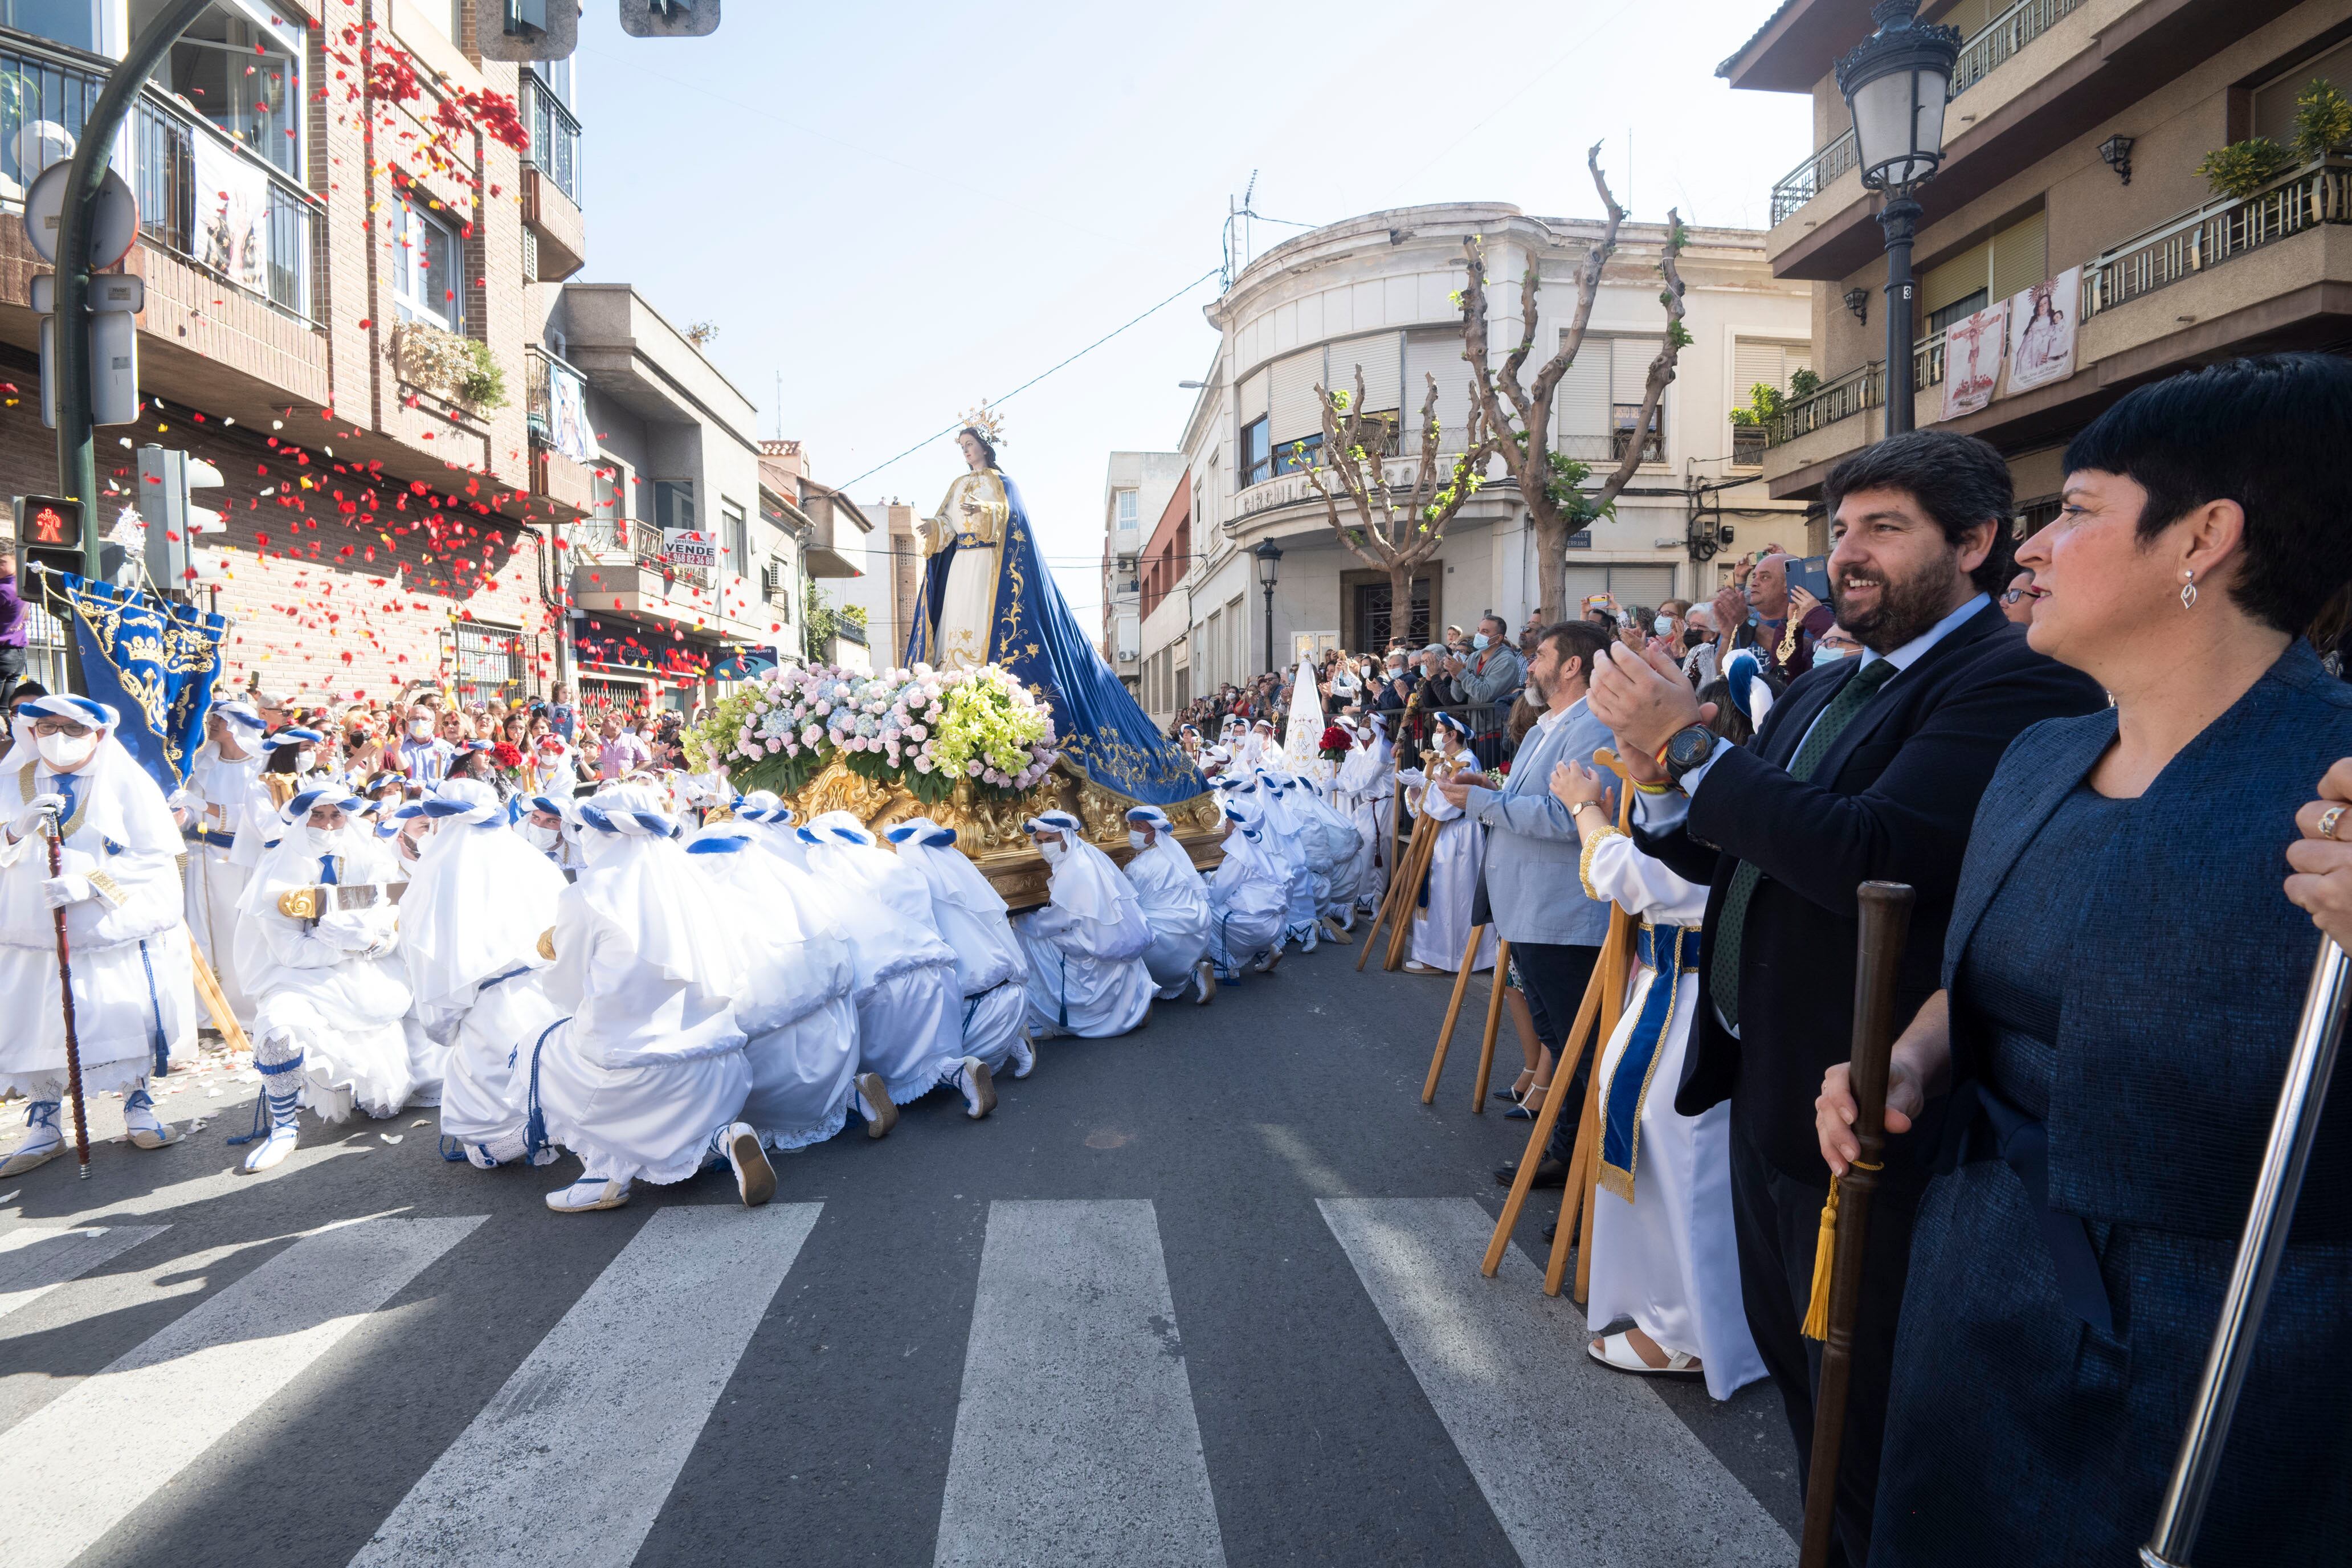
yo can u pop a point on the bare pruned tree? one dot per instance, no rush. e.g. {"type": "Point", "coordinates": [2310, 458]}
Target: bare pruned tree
{"type": "Point", "coordinates": [1392, 526]}
{"type": "Point", "coordinates": [1519, 414]}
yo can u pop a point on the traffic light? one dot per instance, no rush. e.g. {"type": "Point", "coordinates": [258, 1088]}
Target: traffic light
{"type": "Point", "coordinates": [49, 532]}
{"type": "Point", "coordinates": [526, 29]}
{"type": "Point", "coordinates": [174, 524]}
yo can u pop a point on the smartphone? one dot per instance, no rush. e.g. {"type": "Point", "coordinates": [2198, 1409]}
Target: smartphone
{"type": "Point", "coordinates": [1811, 574]}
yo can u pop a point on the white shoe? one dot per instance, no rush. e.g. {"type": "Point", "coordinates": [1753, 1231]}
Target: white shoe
{"type": "Point", "coordinates": [1415, 966]}
{"type": "Point", "coordinates": [1266, 965]}
{"type": "Point", "coordinates": [1313, 938]}
{"type": "Point", "coordinates": [1024, 1054]}
{"type": "Point", "coordinates": [979, 1087]}
{"type": "Point", "coordinates": [874, 1099]}
{"type": "Point", "coordinates": [1335, 931]}
{"type": "Point", "coordinates": [146, 1130]}
{"type": "Point", "coordinates": [755, 1179]}
{"type": "Point", "coordinates": [273, 1150]}
{"type": "Point", "coordinates": [1616, 1350]}
{"type": "Point", "coordinates": [1208, 983]}
{"type": "Point", "coordinates": [589, 1193]}
{"type": "Point", "coordinates": [43, 1142]}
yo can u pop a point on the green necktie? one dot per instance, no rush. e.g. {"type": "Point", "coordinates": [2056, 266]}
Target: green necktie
{"type": "Point", "coordinates": [1732, 927]}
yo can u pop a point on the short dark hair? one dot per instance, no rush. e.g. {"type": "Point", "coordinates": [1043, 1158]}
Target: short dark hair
{"type": "Point", "coordinates": [2256, 431]}
{"type": "Point", "coordinates": [1958, 480]}
{"type": "Point", "coordinates": [1576, 639]}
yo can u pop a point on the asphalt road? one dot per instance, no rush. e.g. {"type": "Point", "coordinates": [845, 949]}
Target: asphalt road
{"type": "Point", "coordinates": [1207, 1294]}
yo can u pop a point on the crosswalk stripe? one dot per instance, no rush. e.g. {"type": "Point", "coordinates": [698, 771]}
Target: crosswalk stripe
{"type": "Point", "coordinates": [1578, 1463]}
{"type": "Point", "coordinates": [36, 1259]}
{"type": "Point", "coordinates": [87, 1460]}
{"type": "Point", "coordinates": [570, 1461]}
{"type": "Point", "coordinates": [1076, 1423]}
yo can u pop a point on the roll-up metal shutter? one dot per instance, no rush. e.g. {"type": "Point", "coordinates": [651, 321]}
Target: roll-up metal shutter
{"type": "Point", "coordinates": [1437, 354]}
{"type": "Point", "coordinates": [1581, 406]}
{"type": "Point", "coordinates": [1293, 409]}
{"type": "Point", "coordinates": [1630, 367]}
{"type": "Point", "coordinates": [1253, 398]}
{"type": "Point", "coordinates": [1381, 359]}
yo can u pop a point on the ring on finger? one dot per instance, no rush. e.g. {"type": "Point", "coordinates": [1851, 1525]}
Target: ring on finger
{"type": "Point", "coordinates": [2328, 819]}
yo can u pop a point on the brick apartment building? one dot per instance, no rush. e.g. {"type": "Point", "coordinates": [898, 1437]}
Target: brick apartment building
{"type": "Point", "coordinates": [2069, 192]}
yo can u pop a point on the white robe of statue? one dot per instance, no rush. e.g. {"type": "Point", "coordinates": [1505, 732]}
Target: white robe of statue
{"type": "Point", "coordinates": [971, 517]}
{"type": "Point", "coordinates": [1668, 1259]}
{"type": "Point", "coordinates": [1441, 927]}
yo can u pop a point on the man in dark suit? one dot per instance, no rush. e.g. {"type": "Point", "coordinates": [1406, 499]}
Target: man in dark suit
{"type": "Point", "coordinates": [1867, 769]}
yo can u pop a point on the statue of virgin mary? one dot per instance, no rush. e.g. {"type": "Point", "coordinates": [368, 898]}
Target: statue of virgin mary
{"type": "Point", "coordinates": [988, 598]}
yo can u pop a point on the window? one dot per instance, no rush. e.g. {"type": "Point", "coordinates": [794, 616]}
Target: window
{"type": "Point", "coordinates": [246, 78]}
{"type": "Point", "coordinates": [610, 513]}
{"type": "Point", "coordinates": [735, 538]}
{"type": "Point", "coordinates": [74, 23]}
{"type": "Point", "coordinates": [556, 75]}
{"type": "Point", "coordinates": [1213, 643]}
{"type": "Point", "coordinates": [426, 269]}
{"type": "Point", "coordinates": [489, 662]}
{"type": "Point", "coordinates": [674, 503]}
{"type": "Point", "coordinates": [1986, 273]}
{"type": "Point", "coordinates": [1293, 455]}
{"type": "Point", "coordinates": [1127, 508]}
{"type": "Point", "coordinates": [1600, 400]}
{"type": "Point", "coordinates": [1255, 463]}
{"type": "Point", "coordinates": [2274, 100]}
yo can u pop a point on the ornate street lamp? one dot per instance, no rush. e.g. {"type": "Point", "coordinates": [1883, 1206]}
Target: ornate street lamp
{"type": "Point", "coordinates": [1895, 84]}
{"type": "Point", "coordinates": [1269, 562]}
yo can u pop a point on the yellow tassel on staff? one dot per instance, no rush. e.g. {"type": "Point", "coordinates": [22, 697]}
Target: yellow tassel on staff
{"type": "Point", "coordinates": [1817, 1309]}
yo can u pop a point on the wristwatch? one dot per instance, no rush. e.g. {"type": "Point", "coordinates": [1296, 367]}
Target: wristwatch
{"type": "Point", "coordinates": [1686, 748]}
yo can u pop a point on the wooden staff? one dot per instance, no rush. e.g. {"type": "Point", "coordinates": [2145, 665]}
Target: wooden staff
{"type": "Point", "coordinates": [64, 992]}
{"type": "Point", "coordinates": [215, 1000]}
{"type": "Point", "coordinates": [1845, 1221]}
{"type": "Point", "coordinates": [1608, 977]}
{"type": "Point", "coordinates": [1390, 899]}
{"type": "Point", "coordinates": [1418, 855]}
{"type": "Point", "coordinates": [1453, 1012]}
{"type": "Point", "coordinates": [1493, 1022]}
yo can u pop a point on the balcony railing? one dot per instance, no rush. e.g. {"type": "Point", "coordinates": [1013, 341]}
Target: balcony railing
{"type": "Point", "coordinates": [2004, 35]}
{"type": "Point", "coordinates": [1982, 54]}
{"type": "Point", "coordinates": [2319, 192]}
{"type": "Point", "coordinates": [1747, 444]}
{"type": "Point", "coordinates": [1810, 178]}
{"type": "Point", "coordinates": [1928, 362]}
{"type": "Point", "coordinates": [263, 237]}
{"type": "Point", "coordinates": [645, 545]}
{"type": "Point", "coordinates": [555, 404]}
{"type": "Point", "coordinates": [1857, 389]}
{"type": "Point", "coordinates": [1623, 417]}
{"type": "Point", "coordinates": [554, 136]}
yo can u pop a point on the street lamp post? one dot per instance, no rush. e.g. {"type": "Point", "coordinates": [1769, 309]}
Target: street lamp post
{"type": "Point", "coordinates": [1895, 83]}
{"type": "Point", "coordinates": [1269, 562]}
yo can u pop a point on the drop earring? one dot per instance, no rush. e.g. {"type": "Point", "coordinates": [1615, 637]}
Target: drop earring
{"type": "Point", "coordinates": [2189, 590]}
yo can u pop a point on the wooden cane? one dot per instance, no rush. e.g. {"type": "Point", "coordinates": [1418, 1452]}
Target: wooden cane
{"type": "Point", "coordinates": [1493, 1023]}
{"type": "Point", "coordinates": [1416, 868]}
{"type": "Point", "coordinates": [1570, 1053]}
{"type": "Point", "coordinates": [217, 1000]}
{"type": "Point", "coordinates": [1885, 921]}
{"type": "Point", "coordinates": [65, 991]}
{"type": "Point", "coordinates": [1608, 973]}
{"type": "Point", "coordinates": [1452, 1012]}
{"type": "Point", "coordinates": [1387, 909]}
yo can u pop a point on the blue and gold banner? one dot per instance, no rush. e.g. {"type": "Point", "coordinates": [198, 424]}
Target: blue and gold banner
{"type": "Point", "coordinates": [1097, 721]}
{"type": "Point", "coordinates": [153, 662]}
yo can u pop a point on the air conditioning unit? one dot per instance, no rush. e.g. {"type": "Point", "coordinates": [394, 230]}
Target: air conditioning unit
{"type": "Point", "coordinates": [774, 578]}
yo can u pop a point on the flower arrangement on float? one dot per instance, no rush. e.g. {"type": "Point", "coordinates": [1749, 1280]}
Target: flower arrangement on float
{"type": "Point", "coordinates": [924, 729]}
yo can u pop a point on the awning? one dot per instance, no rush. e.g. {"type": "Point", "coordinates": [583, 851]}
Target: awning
{"type": "Point", "coordinates": [823, 561]}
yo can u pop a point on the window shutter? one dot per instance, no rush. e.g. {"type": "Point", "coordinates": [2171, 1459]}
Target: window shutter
{"type": "Point", "coordinates": [1253, 398]}
{"type": "Point", "coordinates": [1583, 581]}
{"type": "Point", "coordinates": [1955, 279]}
{"type": "Point", "coordinates": [1630, 358]}
{"type": "Point", "coordinates": [1437, 355]}
{"type": "Point", "coordinates": [2021, 257]}
{"type": "Point", "coordinates": [1755, 364]}
{"type": "Point", "coordinates": [1644, 585]}
{"type": "Point", "coordinates": [1581, 406]}
{"type": "Point", "coordinates": [1381, 359]}
{"type": "Point", "coordinates": [1294, 411]}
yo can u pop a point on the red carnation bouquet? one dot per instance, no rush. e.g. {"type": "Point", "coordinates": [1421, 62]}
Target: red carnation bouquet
{"type": "Point", "coordinates": [1334, 743]}
{"type": "Point", "coordinates": [507, 760]}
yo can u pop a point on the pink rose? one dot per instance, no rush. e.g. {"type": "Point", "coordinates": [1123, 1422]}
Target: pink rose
{"type": "Point", "coordinates": [773, 746]}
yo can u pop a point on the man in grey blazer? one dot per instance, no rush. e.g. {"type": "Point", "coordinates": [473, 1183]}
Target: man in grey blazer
{"type": "Point", "coordinates": [1532, 850]}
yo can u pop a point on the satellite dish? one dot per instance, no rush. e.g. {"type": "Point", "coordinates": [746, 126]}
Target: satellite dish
{"type": "Point", "coordinates": [114, 225]}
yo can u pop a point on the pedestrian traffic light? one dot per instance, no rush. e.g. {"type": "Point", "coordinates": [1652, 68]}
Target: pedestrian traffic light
{"type": "Point", "coordinates": [526, 29]}
{"type": "Point", "coordinates": [167, 479]}
{"type": "Point", "coordinates": [49, 532]}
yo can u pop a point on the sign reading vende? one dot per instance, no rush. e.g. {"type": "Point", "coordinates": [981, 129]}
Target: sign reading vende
{"type": "Point", "coordinates": [686, 547]}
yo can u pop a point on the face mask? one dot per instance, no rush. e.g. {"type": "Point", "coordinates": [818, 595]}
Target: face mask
{"type": "Point", "coordinates": [1053, 849]}
{"type": "Point", "coordinates": [420, 729]}
{"type": "Point", "coordinates": [542, 838]}
{"type": "Point", "coordinates": [1479, 642]}
{"type": "Point", "coordinates": [1832, 655]}
{"type": "Point", "coordinates": [65, 752]}
{"type": "Point", "coordinates": [1692, 636]}
{"type": "Point", "coordinates": [304, 761]}
{"type": "Point", "coordinates": [1136, 840]}
{"type": "Point", "coordinates": [1664, 626]}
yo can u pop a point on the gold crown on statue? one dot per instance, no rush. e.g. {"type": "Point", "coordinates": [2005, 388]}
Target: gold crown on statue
{"type": "Point", "coordinates": [987, 421]}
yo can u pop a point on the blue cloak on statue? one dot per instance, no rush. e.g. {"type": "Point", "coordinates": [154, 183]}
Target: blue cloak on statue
{"type": "Point", "coordinates": [1032, 633]}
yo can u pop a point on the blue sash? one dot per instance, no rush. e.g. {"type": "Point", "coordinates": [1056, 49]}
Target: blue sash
{"type": "Point", "coordinates": [1669, 953]}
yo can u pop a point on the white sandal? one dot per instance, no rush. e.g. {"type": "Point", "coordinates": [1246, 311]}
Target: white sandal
{"type": "Point", "coordinates": [1617, 1350]}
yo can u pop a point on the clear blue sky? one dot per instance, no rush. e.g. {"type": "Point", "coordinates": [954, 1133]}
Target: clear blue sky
{"type": "Point", "coordinates": [905, 208]}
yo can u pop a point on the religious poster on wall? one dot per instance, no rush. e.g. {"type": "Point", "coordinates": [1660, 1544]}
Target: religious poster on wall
{"type": "Point", "coordinates": [1972, 348]}
{"type": "Point", "coordinates": [231, 215]}
{"type": "Point", "coordinates": [2041, 332]}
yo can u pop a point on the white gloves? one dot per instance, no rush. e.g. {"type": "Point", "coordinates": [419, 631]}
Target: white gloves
{"type": "Point", "coordinates": [28, 822]}
{"type": "Point", "coordinates": [70, 889]}
{"type": "Point", "coordinates": [187, 806]}
{"type": "Point", "coordinates": [357, 932]}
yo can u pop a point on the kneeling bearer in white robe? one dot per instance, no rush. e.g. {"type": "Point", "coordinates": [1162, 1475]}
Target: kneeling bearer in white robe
{"type": "Point", "coordinates": [990, 965]}
{"type": "Point", "coordinates": [470, 922]}
{"type": "Point", "coordinates": [646, 1077]}
{"type": "Point", "coordinates": [1175, 905]}
{"type": "Point", "coordinates": [317, 944]}
{"type": "Point", "coordinates": [1248, 897]}
{"type": "Point", "coordinates": [1085, 947]}
{"type": "Point", "coordinates": [133, 989]}
{"type": "Point", "coordinates": [799, 1021]}
{"type": "Point", "coordinates": [1663, 1252]}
